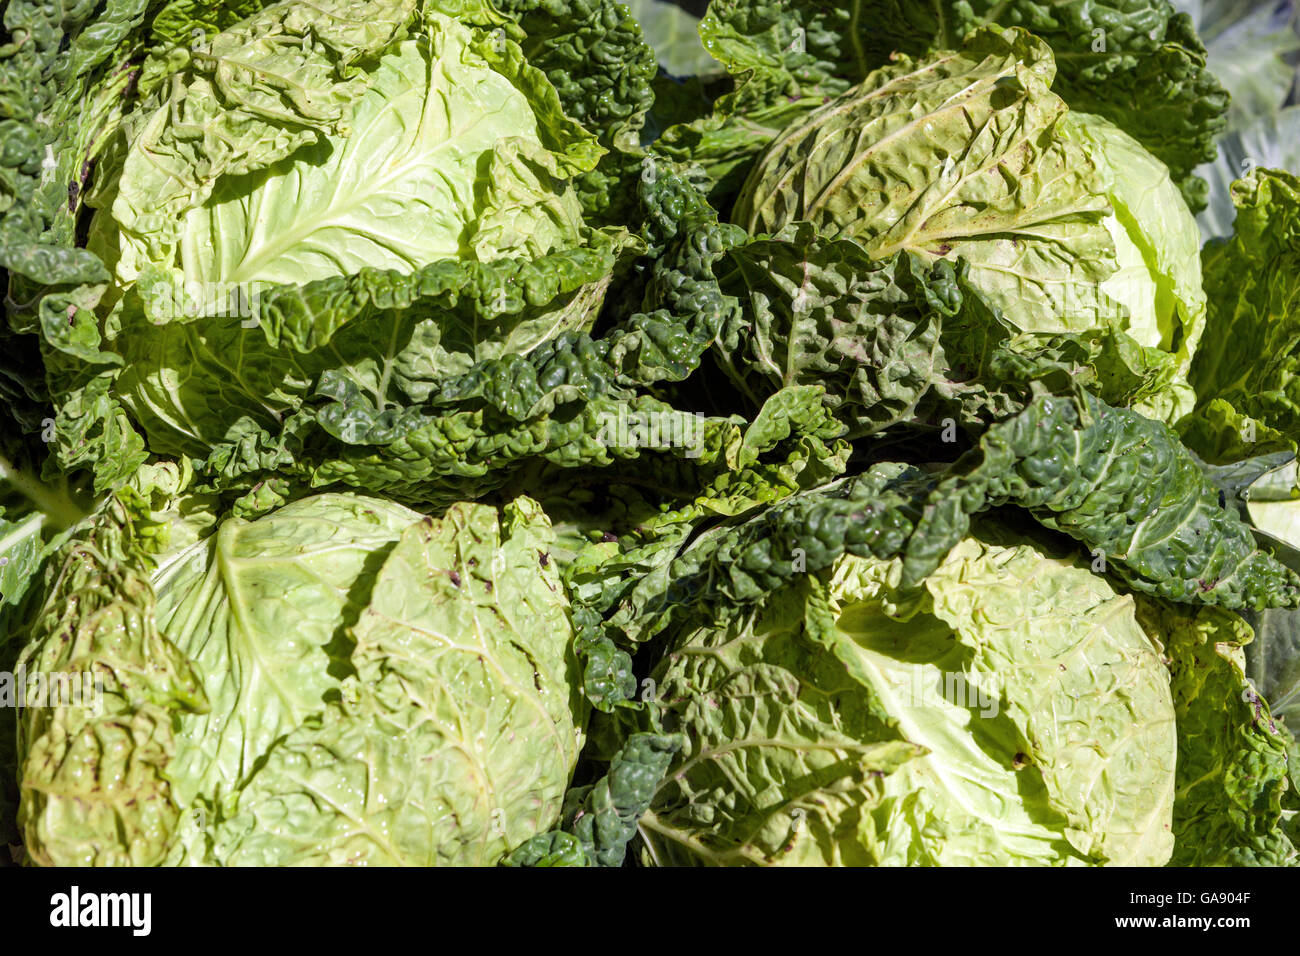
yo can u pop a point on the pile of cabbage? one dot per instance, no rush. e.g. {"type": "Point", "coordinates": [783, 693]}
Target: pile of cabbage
{"type": "Point", "coordinates": [476, 432]}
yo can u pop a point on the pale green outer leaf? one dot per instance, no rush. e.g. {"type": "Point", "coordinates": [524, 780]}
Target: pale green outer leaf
{"type": "Point", "coordinates": [255, 608]}
{"type": "Point", "coordinates": [443, 160]}
{"type": "Point", "coordinates": [1136, 62]}
{"type": "Point", "coordinates": [93, 775]}
{"type": "Point", "coordinates": [451, 147]}
{"type": "Point", "coordinates": [176, 21]}
{"type": "Point", "coordinates": [851, 721]}
{"type": "Point", "coordinates": [344, 793]}
{"type": "Point", "coordinates": [341, 681]}
{"type": "Point", "coordinates": [1157, 245]}
{"type": "Point", "coordinates": [98, 768]}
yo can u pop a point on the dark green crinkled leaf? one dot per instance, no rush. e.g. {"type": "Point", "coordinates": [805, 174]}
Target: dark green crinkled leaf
{"type": "Point", "coordinates": [64, 81]}
{"type": "Point", "coordinates": [1232, 758]}
{"type": "Point", "coordinates": [901, 341]}
{"type": "Point", "coordinates": [1068, 224]}
{"type": "Point", "coordinates": [604, 816]}
{"type": "Point", "coordinates": [1245, 370]}
{"type": "Point", "coordinates": [791, 445]}
{"type": "Point", "coordinates": [465, 434]}
{"type": "Point", "coordinates": [594, 53]}
{"type": "Point", "coordinates": [600, 820]}
{"type": "Point", "coordinates": [500, 305]}
{"type": "Point", "coordinates": [1126, 489]}
{"type": "Point", "coordinates": [59, 82]}
{"type": "Point", "coordinates": [395, 337]}
{"type": "Point", "coordinates": [555, 848]}
{"type": "Point", "coordinates": [1119, 484]}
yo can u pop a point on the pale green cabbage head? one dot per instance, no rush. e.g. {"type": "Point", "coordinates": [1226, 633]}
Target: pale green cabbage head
{"type": "Point", "coordinates": [352, 200]}
{"type": "Point", "coordinates": [1010, 710]}
{"type": "Point", "coordinates": [1067, 222]}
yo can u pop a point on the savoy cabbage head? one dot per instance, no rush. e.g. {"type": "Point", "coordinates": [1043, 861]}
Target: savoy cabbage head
{"type": "Point", "coordinates": [1069, 225]}
{"type": "Point", "coordinates": [882, 670]}
{"type": "Point", "coordinates": [363, 207]}
{"type": "Point", "coordinates": [1010, 710]}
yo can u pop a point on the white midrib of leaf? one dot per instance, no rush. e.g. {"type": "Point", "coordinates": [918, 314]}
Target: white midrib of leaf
{"type": "Point", "coordinates": [25, 529]}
